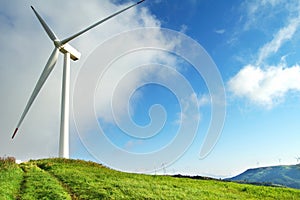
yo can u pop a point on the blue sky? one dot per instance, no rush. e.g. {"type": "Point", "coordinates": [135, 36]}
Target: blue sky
{"type": "Point", "coordinates": [261, 124]}
{"type": "Point", "coordinates": [254, 44]}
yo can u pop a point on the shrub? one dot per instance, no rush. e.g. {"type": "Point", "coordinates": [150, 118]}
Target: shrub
{"type": "Point", "coordinates": [6, 162]}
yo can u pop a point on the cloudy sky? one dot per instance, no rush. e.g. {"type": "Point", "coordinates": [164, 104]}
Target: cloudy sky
{"type": "Point", "coordinates": [254, 45]}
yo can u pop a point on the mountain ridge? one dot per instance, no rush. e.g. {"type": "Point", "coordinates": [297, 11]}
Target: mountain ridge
{"type": "Point", "coordinates": [280, 175]}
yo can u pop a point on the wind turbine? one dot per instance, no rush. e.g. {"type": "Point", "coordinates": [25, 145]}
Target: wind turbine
{"type": "Point", "coordinates": [69, 53]}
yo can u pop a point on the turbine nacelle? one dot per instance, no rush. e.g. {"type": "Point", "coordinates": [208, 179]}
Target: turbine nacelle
{"type": "Point", "coordinates": [74, 54]}
{"type": "Point", "coordinates": [67, 48]}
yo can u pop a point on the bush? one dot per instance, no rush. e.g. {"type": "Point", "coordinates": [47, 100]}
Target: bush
{"type": "Point", "coordinates": [6, 162]}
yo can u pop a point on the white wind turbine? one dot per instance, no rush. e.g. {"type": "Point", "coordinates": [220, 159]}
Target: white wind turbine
{"type": "Point", "coordinates": [69, 52]}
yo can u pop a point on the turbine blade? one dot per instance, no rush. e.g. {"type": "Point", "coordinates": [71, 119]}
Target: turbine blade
{"type": "Point", "coordinates": [45, 26]}
{"type": "Point", "coordinates": [97, 23]}
{"type": "Point", "coordinates": [47, 70]}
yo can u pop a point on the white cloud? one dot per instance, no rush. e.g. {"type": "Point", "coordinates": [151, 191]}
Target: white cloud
{"type": "Point", "coordinates": [258, 11]}
{"type": "Point", "coordinates": [188, 114]}
{"type": "Point", "coordinates": [265, 87]}
{"type": "Point", "coordinates": [262, 83]}
{"type": "Point", "coordinates": [283, 35]}
{"type": "Point", "coordinates": [272, 2]}
{"type": "Point", "coordinates": [203, 100]}
{"type": "Point", "coordinates": [125, 75]}
{"type": "Point", "coordinates": [24, 51]}
{"type": "Point", "coordinates": [183, 28]}
{"type": "Point", "coordinates": [220, 31]}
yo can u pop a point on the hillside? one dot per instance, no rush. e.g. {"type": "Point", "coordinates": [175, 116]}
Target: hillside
{"type": "Point", "coordinates": [75, 179]}
{"type": "Point", "coordinates": [285, 175]}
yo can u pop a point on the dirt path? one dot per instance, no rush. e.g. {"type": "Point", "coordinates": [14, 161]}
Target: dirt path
{"type": "Point", "coordinates": [38, 183]}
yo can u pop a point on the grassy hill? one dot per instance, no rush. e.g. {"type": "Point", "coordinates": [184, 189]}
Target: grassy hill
{"type": "Point", "coordinates": [75, 179]}
{"type": "Point", "coordinates": [285, 175]}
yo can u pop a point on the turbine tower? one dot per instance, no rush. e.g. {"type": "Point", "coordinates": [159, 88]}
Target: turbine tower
{"type": "Point", "coordinates": [69, 53]}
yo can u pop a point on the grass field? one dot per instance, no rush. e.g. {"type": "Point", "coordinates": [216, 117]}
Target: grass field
{"type": "Point", "coordinates": [76, 179]}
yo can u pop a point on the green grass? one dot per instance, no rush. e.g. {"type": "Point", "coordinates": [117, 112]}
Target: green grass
{"type": "Point", "coordinates": [39, 184]}
{"type": "Point", "coordinates": [66, 179]}
{"type": "Point", "coordinates": [11, 176]}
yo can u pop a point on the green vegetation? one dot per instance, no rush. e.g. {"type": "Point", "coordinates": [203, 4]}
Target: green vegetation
{"type": "Point", "coordinates": [38, 184]}
{"type": "Point", "coordinates": [75, 179]}
{"type": "Point", "coordinates": [285, 175]}
{"type": "Point", "coordinates": [11, 177]}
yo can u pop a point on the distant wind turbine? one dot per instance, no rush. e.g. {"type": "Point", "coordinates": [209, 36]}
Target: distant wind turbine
{"type": "Point", "coordinates": [298, 159]}
{"type": "Point", "coordinates": [69, 52]}
{"type": "Point", "coordinates": [164, 168]}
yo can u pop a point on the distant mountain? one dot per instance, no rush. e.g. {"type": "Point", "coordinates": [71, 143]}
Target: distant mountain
{"type": "Point", "coordinates": [284, 175]}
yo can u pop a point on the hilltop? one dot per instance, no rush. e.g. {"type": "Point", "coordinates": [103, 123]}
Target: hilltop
{"type": "Point", "coordinates": [284, 175]}
{"type": "Point", "coordinates": [77, 179]}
